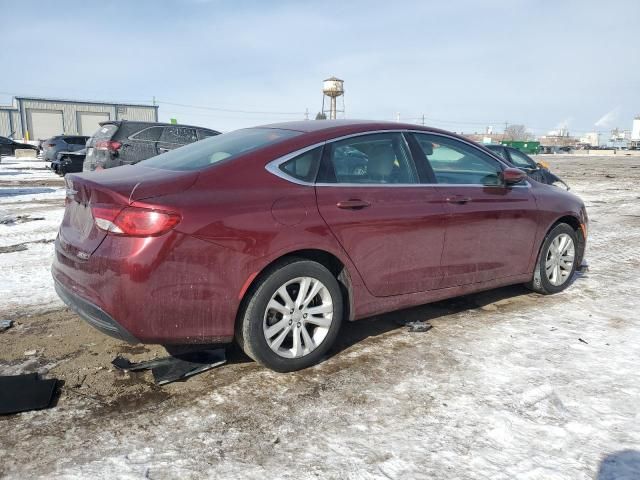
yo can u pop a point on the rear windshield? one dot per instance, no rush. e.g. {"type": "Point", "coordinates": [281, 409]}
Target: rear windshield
{"type": "Point", "coordinates": [204, 153]}
{"type": "Point", "coordinates": [103, 133]}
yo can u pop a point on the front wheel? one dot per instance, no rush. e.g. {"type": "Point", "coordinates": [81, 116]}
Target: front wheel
{"type": "Point", "coordinates": [557, 261]}
{"type": "Point", "coordinates": [293, 316]}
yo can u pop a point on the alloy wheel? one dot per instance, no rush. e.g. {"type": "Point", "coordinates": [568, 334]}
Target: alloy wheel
{"type": "Point", "coordinates": [559, 260]}
{"type": "Point", "coordinates": [298, 317]}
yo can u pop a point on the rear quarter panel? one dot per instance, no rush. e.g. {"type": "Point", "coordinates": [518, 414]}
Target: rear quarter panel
{"type": "Point", "coordinates": [253, 216]}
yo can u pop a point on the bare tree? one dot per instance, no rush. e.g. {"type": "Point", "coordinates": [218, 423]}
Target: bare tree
{"type": "Point", "coordinates": [321, 116]}
{"type": "Point", "coordinates": [516, 132]}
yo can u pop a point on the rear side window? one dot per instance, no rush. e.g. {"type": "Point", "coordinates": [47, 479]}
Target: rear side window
{"type": "Point", "coordinates": [455, 162]}
{"type": "Point", "coordinates": [206, 133]}
{"type": "Point", "coordinates": [179, 135]}
{"type": "Point", "coordinates": [151, 134]}
{"type": "Point", "coordinates": [500, 152]}
{"type": "Point", "coordinates": [210, 151]}
{"type": "Point", "coordinates": [369, 159]}
{"type": "Point", "coordinates": [76, 140]}
{"type": "Point", "coordinates": [304, 166]}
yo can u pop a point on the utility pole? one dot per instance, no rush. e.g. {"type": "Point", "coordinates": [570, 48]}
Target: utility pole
{"type": "Point", "coordinates": [306, 113]}
{"type": "Point", "coordinates": [397, 116]}
{"type": "Point", "coordinates": [154, 101]}
{"type": "Point", "coordinates": [423, 119]}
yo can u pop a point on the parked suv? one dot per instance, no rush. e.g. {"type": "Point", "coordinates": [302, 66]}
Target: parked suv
{"type": "Point", "coordinates": [62, 143]}
{"type": "Point", "coordinates": [126, 142]}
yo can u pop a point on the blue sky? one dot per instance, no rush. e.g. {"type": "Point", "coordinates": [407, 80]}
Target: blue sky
{"type": "Point", "coordinates": [462, 64]}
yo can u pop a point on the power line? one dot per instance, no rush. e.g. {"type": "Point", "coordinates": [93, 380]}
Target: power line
{"type": "Point", "coordinates": [228, 110]}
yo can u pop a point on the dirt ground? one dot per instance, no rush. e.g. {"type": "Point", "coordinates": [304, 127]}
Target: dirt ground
{"type": "Point", "coordinates": [507, 384]}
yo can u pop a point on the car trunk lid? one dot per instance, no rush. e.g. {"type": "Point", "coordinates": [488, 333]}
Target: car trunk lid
{"type": "Point", "coordinates": [119, 187]}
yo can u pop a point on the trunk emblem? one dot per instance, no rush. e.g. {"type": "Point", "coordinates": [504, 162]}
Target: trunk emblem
{"type": "Point", "coordinates": [83, 255]}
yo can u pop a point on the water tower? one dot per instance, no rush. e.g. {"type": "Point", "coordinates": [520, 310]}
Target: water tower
{"type": "Point", "coordinates": [333, 88]}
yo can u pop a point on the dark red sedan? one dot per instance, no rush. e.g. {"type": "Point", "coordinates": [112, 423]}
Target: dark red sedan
{"type": "Point", "coordinates": [274, 235]}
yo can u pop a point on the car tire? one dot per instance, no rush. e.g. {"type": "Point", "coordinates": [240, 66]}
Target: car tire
{"type": "Point", "coordinates": [293, 333]}
{"type": "Point", "coordinates": [557, 261]}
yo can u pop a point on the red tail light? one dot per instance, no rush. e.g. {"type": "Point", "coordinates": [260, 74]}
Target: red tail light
{"type": "Point", "coordinates": [108, 145]}
{"type": "Point", "coordinates": [51, 144]}
{"type": "Point", "coordinates": [134, 221]}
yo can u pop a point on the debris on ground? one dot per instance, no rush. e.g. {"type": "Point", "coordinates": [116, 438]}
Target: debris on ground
{"type": "Point", "coordinates": [30, 353]}
{"type": "Point", "coordinates": [22, 393]}
{"type": "Point", "coordinates": [583, 341]}
{"type": "Point", "coordinates": [418, 326]}
{"type": "Point", "coordinates": [11, 219]}
{"type": "Point", "coordinates": [176, 367]}
{"type": "Point", "coordinates": [5, 325]}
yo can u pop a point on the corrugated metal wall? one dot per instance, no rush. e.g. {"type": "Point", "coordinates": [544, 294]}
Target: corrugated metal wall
{"type": "Point", "coordinates": [17, 127]}
{"type": "Point", "coordinates": [70, 110]}
{"type": "Point", "coordinates": [5, 125]}
{"type": "Point", "coordinates": [10, 123]}
{"type": "Point", "coordinates": [130, 112]}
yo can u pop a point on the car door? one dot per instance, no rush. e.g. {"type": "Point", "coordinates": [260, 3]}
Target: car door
{"type": "Point", "coordinates": [141, 145]}
{"type": "Point", "coordinates": [490, 227]}
{"type": "Point", "coordinates": [390, 225]}
{"type": "Point", "coordinates": [174, 137]}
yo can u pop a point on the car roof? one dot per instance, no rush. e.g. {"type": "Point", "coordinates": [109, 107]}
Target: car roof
{"type": "Point", "coordinates": [153, 124]}
{"type": "Point", "coordinates": [308, 126]}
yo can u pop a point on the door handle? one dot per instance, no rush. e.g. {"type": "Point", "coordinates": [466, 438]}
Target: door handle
{"type": "Point", "coordinates": [353, 204]}
{"type": "Point", "coordinates": [163, 150]}
{"type": "Point", "coordinates": [458, 199]}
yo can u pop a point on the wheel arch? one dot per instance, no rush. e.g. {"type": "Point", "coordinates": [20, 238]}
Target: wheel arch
{"type": "Point", "coordinates": [574, 222]}
{"type": "Point", "coordinates": [327, 259]}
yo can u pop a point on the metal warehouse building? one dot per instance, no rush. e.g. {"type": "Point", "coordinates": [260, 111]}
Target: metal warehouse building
{"type": "Point", "coordinates": [40, 118]}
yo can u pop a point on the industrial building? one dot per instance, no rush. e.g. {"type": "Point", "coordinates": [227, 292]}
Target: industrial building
{"type": "Point", "coordinates": [32, 118]}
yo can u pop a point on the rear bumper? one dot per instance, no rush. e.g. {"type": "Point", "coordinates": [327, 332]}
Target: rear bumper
{"type": "Point", "coordinates": [172, 289]}
{"type": "Point", "coordinates": [94, 315]}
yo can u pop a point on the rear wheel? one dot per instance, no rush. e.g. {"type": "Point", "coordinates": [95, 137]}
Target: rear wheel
{"type": "Point", "coordinates": [293, 316]}
{"type": "Point", "coordinates": [557, 261]}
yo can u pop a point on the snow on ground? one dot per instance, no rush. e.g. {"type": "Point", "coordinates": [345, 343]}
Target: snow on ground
{"type": "Point", "coordinates": [508, 384]}
{"type": "Point", "coordinates": [31, 208]}
{"type": "Point", "coordinates": [12, 168]}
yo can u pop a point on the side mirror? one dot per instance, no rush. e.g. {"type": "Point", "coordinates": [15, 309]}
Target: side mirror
{"type": "Point", "coordinates": [511, 176]}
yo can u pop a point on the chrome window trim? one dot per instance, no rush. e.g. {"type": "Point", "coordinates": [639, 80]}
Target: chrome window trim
{"type": "Point", "coordinates": [273, 166]}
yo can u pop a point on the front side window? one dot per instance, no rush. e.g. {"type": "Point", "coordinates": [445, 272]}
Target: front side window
{"type": "Point", "coordinates": [455, 162]}
{"type": "Point", "coordinates": [520, 160]}
{"type": "Point", "coordinates": [207, 152]}
{"type": "Point", "coordinates": [380, 158]}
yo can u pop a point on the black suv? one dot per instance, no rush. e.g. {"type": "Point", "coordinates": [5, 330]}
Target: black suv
{"type": "Point", "coordinates": [125, 142]}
